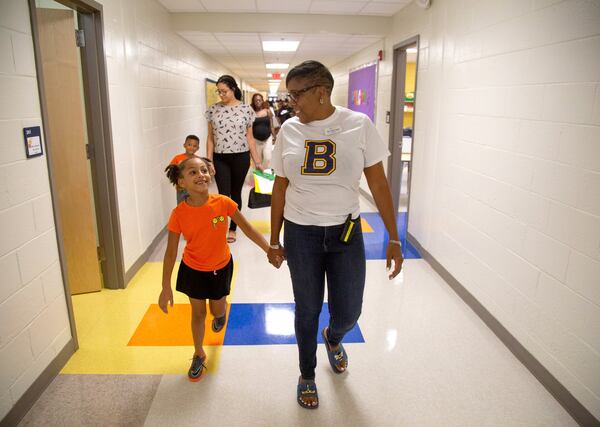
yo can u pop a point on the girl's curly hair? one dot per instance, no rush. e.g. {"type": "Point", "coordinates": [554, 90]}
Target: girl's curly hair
{"type": "Point", "coordinates": [174, 172]}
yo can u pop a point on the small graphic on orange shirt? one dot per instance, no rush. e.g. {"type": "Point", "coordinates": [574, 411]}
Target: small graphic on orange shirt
{"type": "Point", "coordinates": [216, 220]}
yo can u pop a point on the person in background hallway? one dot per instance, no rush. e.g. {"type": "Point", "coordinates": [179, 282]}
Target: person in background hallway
{"type": "Point", "coordinates": [283, 111]}
{"type": "Point", "coordinates": [318, 160]}
{"type": "Point", "coordinates": [274, 120]}
{"type": "Point", "coordinates": [230, 143]}
{"type": "Point", "coordinates": [207, 265]}
{"type": "Point", "coordinates": [191, 146]}
{"type": "Point", "coordinates": [262, 129]}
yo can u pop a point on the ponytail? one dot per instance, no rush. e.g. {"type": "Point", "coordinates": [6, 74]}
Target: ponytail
{"type": "Point", "coordinates": [173, 172]}
{"type": "Point", "coordinates": [237, 93]}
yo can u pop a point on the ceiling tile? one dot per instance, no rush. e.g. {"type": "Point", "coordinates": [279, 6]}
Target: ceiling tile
{"type": "Point", "coordinates": [281, 36]}
{"type": "Point", "coordinates": [229, 5]}
{"type": "Point", "coordinates": [278, 57]}
{"type": "Point", "coordinates": [183, 5]}
{"type": "Point", "coordinates": [382, 9]}
{"type": "Point", "coordinates": [283, 6]}
{"type": "Point", "coordinates": [337, 7]}
{"type": "Point", "coordinates": [238, 37]}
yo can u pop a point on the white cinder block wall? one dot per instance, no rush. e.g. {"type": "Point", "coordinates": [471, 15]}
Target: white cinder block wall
{"type": "Point", "coordinates": [506, 171]}
{"type": "Point", "coordinates": [157, 97]}
{"type": "Point", "coordinates": [34, 322]}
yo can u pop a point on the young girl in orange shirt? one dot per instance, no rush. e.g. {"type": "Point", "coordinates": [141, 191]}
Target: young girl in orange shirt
{"type": "Point", "coordinates": [207, 266]}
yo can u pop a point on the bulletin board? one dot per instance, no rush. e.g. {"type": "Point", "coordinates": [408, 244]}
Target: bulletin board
{"type": "Point", "coordinates": [211, 93]}
{"type": "Point", "coordinates": [362, 87]}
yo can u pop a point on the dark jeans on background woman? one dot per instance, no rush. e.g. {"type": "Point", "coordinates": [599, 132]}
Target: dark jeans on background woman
{"type": "Point", "coordinates": [231, 169]}
{"type": "Point", "coordinates": [314, 253]}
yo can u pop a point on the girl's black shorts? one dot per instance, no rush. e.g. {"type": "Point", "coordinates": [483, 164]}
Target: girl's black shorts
{"type": "Point", "coordinates": [204, 284]}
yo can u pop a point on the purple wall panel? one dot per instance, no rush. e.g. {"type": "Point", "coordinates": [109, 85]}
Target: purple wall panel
{"type": "Point", "coordinates": [361, 90]}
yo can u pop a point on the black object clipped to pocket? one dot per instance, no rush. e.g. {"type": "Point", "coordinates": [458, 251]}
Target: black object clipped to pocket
{"type": "Point", "coordinates": [348, 231]}
{"type": "Point", "coordinates": [257, 200]}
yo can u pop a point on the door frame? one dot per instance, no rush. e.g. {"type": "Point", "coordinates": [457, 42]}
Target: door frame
{"type": "Point", "coordinates": [398, 84]}
{"type": "Point", "coordinates": [97, 110]}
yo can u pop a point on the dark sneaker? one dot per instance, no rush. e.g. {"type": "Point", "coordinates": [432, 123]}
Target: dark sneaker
{"type": "Point", "coordinates": [197, 368]}
{"type": "Point", "coordinates": [218, 323]}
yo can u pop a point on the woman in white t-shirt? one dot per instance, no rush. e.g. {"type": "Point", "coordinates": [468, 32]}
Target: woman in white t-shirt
{"type": "Point", "coordinates": [229, 143]}
{"type": "Point", "coordinates": [319, 159]}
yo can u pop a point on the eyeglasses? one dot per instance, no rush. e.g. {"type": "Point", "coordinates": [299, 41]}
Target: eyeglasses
{"type": "Point", "coordinates": [221, 92]}
{"type": "Point", "coordinates": [296, 94]}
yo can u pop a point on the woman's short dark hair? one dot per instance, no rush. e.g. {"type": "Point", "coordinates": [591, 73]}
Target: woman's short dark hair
{"type": "Point", "coordinates": [231, 84]}
{"type": "Point", "coordinates": [315, 72]}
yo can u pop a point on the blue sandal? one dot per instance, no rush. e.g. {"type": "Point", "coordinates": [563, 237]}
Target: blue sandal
{"type": "Point", "coordinates": [308, 389]}
{"type": "Point", "coordinates": [336, 358]}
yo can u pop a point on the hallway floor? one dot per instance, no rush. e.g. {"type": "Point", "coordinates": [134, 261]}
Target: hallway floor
{"type": "Point", "coordinates": [418, 357]}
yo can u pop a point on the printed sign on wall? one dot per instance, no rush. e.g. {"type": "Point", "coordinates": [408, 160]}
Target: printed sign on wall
{"type": "Point", "coordinates": [33, 141]}
{"type": "Point", "coordinates": [211, 93]}
{"type": "Point", "coordinates": [361, 90]}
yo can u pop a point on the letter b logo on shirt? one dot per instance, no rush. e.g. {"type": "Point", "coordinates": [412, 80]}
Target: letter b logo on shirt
{"type": "Point", "coordinates": [319, 158]}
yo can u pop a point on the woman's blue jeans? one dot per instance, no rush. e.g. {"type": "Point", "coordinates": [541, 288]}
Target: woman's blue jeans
{"type": "Point", "coordinates": [314, 253]}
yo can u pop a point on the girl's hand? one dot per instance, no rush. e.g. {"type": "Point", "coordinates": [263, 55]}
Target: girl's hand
{"type": "Point", "coordinates": [166, 297]}
{"type": "Point", "coordinates": [259, 166]}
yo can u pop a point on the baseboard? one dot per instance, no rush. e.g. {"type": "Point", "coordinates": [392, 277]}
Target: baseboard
{"type": "Point", "coordinates": [579, 413]}
{"type": "Point", "coordinates": [139, 263]}
{"type": "Point", "coordinates": [33, 393]}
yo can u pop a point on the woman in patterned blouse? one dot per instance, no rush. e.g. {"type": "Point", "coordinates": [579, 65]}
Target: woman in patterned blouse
{"type": "Point", "coordinates": [230, 143]}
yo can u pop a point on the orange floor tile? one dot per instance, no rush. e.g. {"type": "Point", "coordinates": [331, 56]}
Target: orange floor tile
{"type": "Point", "coordinates": [159, 329]}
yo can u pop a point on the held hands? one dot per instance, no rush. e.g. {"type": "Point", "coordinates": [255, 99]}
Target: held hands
{"type": "Point", "coordinates": [276, 256]}
{"type": "Point", "coordinates": [166, 297]}
{"type": "Point", "coordinates": [393, 252]}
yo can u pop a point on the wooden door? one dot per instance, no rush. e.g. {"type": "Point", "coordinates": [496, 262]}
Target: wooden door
{"type": "Point", "coordinates": [66, 130]}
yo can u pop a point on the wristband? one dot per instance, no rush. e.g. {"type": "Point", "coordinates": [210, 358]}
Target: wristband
{"type": "Point", "coordinates": [395, 242]}
{"type": "Point", "coordinates": [277, 246]}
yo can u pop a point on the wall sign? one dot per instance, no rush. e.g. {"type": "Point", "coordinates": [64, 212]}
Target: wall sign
{"type": "Point", "coordinates": [33, 141]}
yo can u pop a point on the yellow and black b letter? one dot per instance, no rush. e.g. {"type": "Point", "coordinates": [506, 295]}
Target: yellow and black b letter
{"type": "Point", "coordinates": [319, 158]}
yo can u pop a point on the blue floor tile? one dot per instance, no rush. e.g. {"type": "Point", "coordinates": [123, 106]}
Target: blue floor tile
{"type": "Point", "coordinates": [376, 242]}
{"type": "Point", "coordinates": [265, 324]}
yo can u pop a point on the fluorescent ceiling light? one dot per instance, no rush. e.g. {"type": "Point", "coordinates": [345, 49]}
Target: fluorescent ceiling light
{"type": "Point", "coordinates": [280, 46]}
{"type": "Point", "coordinates": [277, 66]}
{"type": "Point", "coordinates": [274, 81]}
{"type": "Point", "coordinates": [411, 50]}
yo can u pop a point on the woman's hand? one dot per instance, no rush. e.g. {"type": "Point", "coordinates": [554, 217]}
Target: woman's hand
{"type": "Point", "coordinates": [165, 298]}
{"type": "Point", "coordinates": [393, 252]}
{"type": "Point", "coordinates": [259, 166]}
{"type": "Point", "coordinates": [276, 256]}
